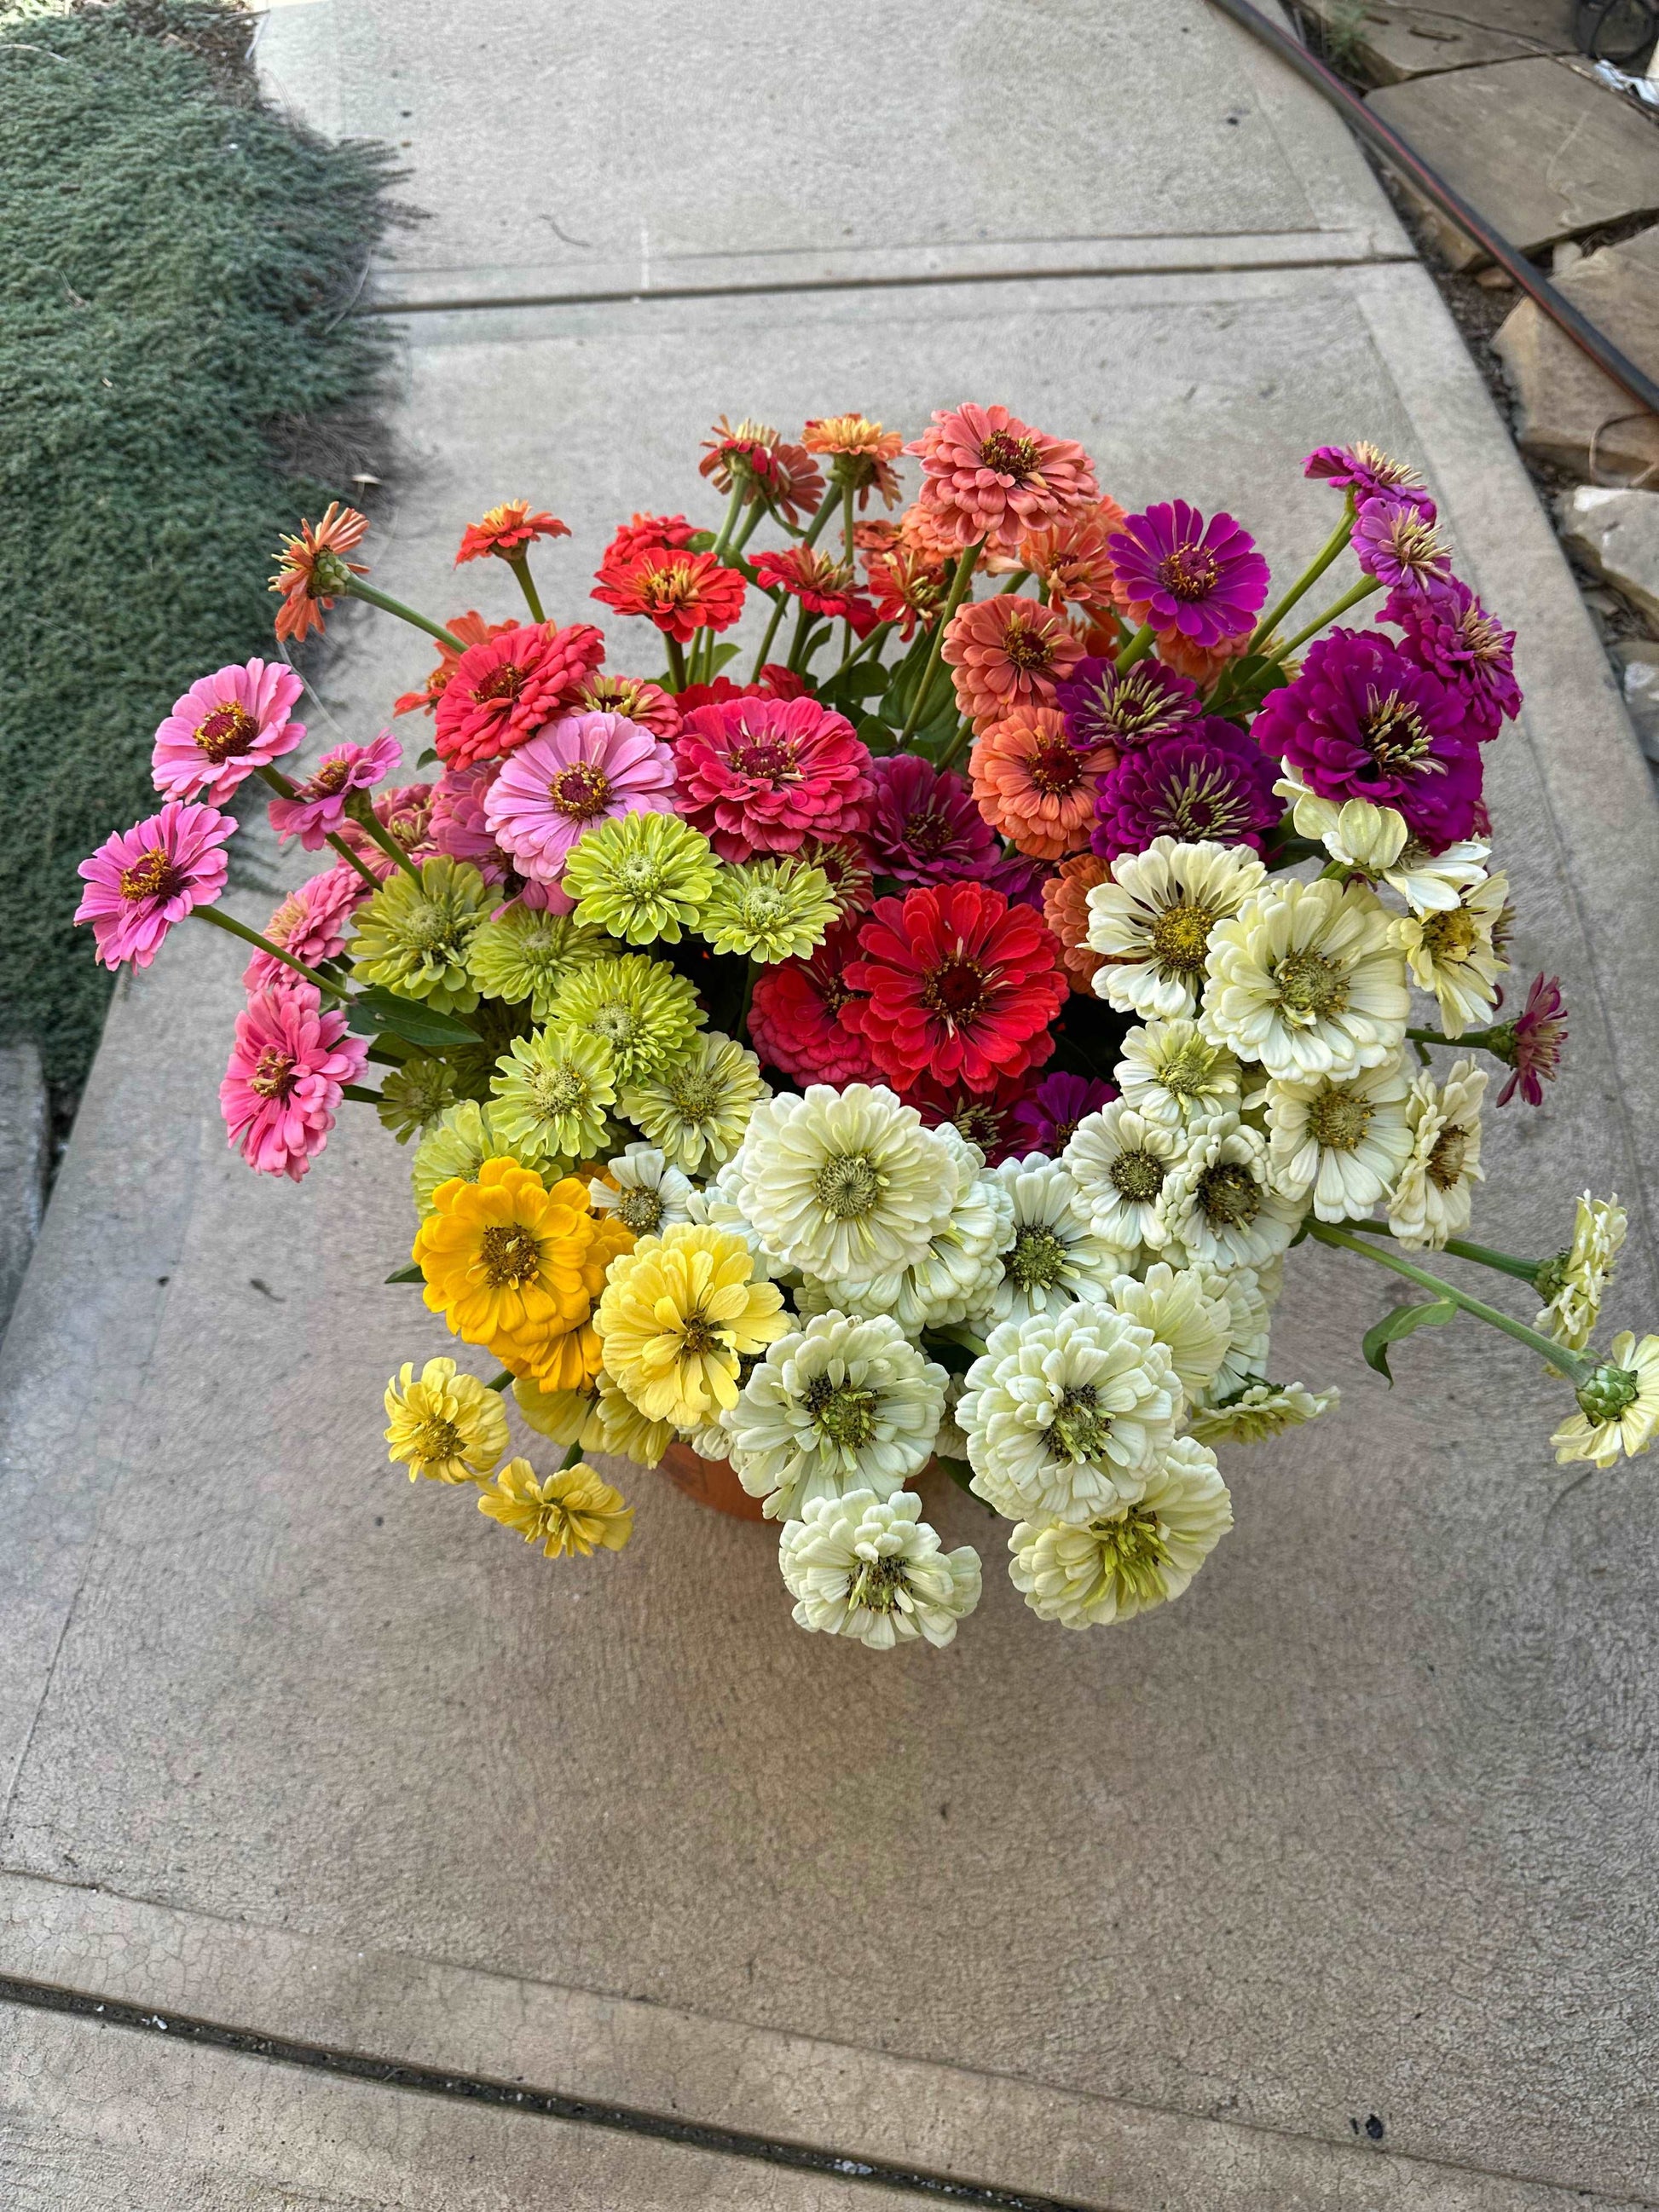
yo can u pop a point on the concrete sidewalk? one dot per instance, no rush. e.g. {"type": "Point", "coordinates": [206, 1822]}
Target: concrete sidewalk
{"type": "Point", "coordinates": [1329, 1887]}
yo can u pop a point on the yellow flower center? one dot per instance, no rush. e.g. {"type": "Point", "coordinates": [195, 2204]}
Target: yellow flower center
{"type": "Point", "coordinates": [273, 1077]}
{"type": "Point", "coordinates": [1139, 1176]}
{"type": "Point", "coordinates": [640, 1210]}
{"type": "Point", "coordinates": [1445, 1166]}
{"type": "Point", "coordinates": [438, 1440]}
{"type": "Point", "coordinates": [1309, 983]}
{"type": "Point", "coordinates": [1009, 457]}
{"type": "Point", "coordinates": [580, 791]}
{"type": "Point", "coordinates": [1180, 937]}
{"type": "Point", "coordinates": [1133, 1549]}
{"type": "Point", "coordinates": [1451, 936]}
{"type": "Point", "coordinates": [156, 876]}
{"type": "Point", "coordinates": [1338, 1121]}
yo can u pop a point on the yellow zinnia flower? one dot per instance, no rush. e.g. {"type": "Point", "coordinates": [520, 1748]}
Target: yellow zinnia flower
{"type": "Point", "coordinates": [566, 1417]}
{"type": "Point", "coordinates": [677, 1313]}
{"type": "Point", "coordinates": [567, 1355]}
{"type": "Point", "coordinates": [447, 1426]}
{"type": "Point", "coordinates": [505, 1258]}
{"type": "Point", "coordinates": [574, 1509]}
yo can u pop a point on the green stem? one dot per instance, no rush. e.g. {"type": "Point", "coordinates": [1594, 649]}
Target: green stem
{"type": "Point", "coordinates": [733, 508]}
{"type": "Point", "coordinates": [1333, 549]}
{"type": "Point", "coordinates": [826, 509]}
{"type": "Point", "coordinates": [871, 644]}
{"type": "Point", "coordinates": [504, 1381]}
{"type": "Point", "coordinates": [1020, 576]}
{"type": "Point", "coordinates": [233, 928]}
{"type": "Point", "coordinates": [958, 590]}
{"type": "Point", "coordinates": [357, 589]}
{"type": "Point", "coordinates": [371, 825]}
{"type": "Point", "coordinates": [1351, 597]}
{"type": "Point", "coordinates": [676, 661]}
{"type": "Point", "coordinates": [360, 1093]}
{"type": "Point", "coordinates": [750, 975]}
{"type": "Point", "coordinates": [571, 1458]}
{"type": "Point", "coordinates": [964, 731]}
{"type": "Point", "coordinates": [771, 632]}
{"type": "Point", "coordinates": [852, 564]}
{"type": "Point", "coordinates": [346, 853]}
{"type": "Point", "coordinates": [1507, 1263]}
{"type": "Point", "coordinates": [1137, 649]}
{"type": "Point", "coordinates": [520, 564]}
{"type": "Point", "coordinates": [750, 524]}
{"type": "Point", "coordinates": [802, 623]}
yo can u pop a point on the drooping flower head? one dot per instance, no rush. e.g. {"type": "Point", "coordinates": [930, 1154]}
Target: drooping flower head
{"type": "Point", "coordinates": [816, 581]}
{"type": "Point", "coordinates": [924, 827]}
{"type": "Point", "coordinates": [1395, 542]}
{"type": "Point", "coordinates": [226, 726]}
{"type": "Point", "coordinates": [1179, 571]}
{"type": "Point", "coordinates": [1132, 1558]}
{"type": "Point", "coordinates": [908, 585]}
{"type": "Point", "coordinates": [1450, 633]}
{"type": "Point", "coordinates": [586, 769]}
{"type": "Point", "coordinates": [1618, 1406]}
{"type": "Point", "coordinates": [762, 776]}
{"type": "Point", "coordinates": [1214, 781]}
{"type": "Point", "coordinates": [1032, 784]}
{"type": "Point", "coordinates": [283, 1083]}
{"type": "Point", "coordinates": [681, 593]}
{"type": "Point", "coordinates": [1103, 708]}
{"type": "Point", "coordinates": [1046, 1118]}
{"type": "Point", "coordinates": [987, 475]}
{"type": "Point", "coordinates": [1005, 652]}
{"type": "Point", "coordinates": [1531, 1043]}
{"type": "Point", "coordinates": [311, 570]}
{"type": "Point", "coordinates": [960, 984]}
{"type": "Point", "coordinates": [141, 880]}
{"type": "Point", "coordinates": [1066, 910]}
{"type": "Point", "coordinates": [1366, 471]}
{"type": "Point", "coordinates": [873, 1569]}
{"type": "Point", "coordinates": [794, 1016]}
{"type": "Point", "coordinates": [785, 476]}
{"type": "Point", "coordinates": [313, 923]}
{"type": "Point", "coordinates": [472, 630]}
{"type": "Point", "coordinates": [317, 808]}
{"type": "Point", "coordinates": [508, 530]}
{"type": "Point", "coordinates": [862, 454]}
{"type": "Point", "coordinates": [501, 692]}
{"type": "Point", "coordinates": [1574, 1281]}
{"type": "Point", "coordinates": [568, 1512]}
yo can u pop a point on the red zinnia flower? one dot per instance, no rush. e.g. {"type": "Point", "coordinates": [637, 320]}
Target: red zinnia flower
{"type": "Point", "coordinates": [506, 530]}
{"type": "Point", "coordinates": [985, 1118]}
{"type": "Point", "coordinates": [312, 571]}
{"type": "Point", "coordinates": [775, 682]}
{"type": "Point", "coordinates": [682, 592]}
{"type": "Point", "coordinates": [1531, 1045]}
{"type": "Point", "coordinates": [787, 476]}
{"type": "Point", "coordinates": [795, 1015]}
{"type": "Point", "coordinates": [759, 776]}
{"type": "Point", "coordinates": [648, 533]}
{"type": "Point", "coordinates": [471, 628]}
{"type": "Point", "coordinates": [987, 475]}
{"type": "Point", "coordinates": [825, 584]}
{"type": "Point", "coordinates": [501, 692]}
{"type": "Point", "coordinates": [1006, 653]}
{"type": "Point", "coordinates": [962, 987]}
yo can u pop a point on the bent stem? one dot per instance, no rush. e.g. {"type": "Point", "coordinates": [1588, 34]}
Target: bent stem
{"type": "Point", "coordinates": [1331, 550]}
{"type": "Point", "coordinates": [1351, 597]}
{"type": "Point", "coordinates": [958, 591]}
{"type": "Point", "coordinates": [733, 508]}
{"type": "Point", "coordinates": [1137, 649]}
{"type": "Point", "coordinates": [357, 589]}
{"type": "Point", "coordinates": [233, 928]}
{"type": "Point", "coordinates": [520, 564]}
{"type": "Point", "coordinates": [1484, 1255]}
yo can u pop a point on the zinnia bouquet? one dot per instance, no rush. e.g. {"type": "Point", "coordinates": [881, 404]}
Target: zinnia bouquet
{"type": "Point", "coordinates": [922, 1044]}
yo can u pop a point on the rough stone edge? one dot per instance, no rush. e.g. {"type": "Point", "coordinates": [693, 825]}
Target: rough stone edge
{"type": "Point", "coordinates": [25, 1154]}
{"type": "Point", "coordinates": [993, 2129]}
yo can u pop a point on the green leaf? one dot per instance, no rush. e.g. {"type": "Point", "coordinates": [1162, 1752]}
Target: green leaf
{"type": "Point", "coordinates": [1399, 1324]}
{"type": "Point", "coordinates": [876, 734]}
{"type": "Point", "coordinates": [427, 759]}
{"type": "Point", "coordinates": [380, 1009]}
{"type": "Point", "coordinates": [405, 1275]}
{"type": "Point", "coordinates": [722, 655]}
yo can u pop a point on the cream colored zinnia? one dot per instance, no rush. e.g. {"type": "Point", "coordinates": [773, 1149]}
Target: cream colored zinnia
{"type": "Point", "coordinates": [1130, 1559]}
{"type": "Point", "coordinates": [1576, 1280]}
{"type": "Point", "coordinates": [678, 1313]}
{"type": "Point", "coordinates": [1151, 923]}
{"type": "Point", "coordinates": [870, 1568]}
{"type": "Point", "coordinates": [1187, 1311]}
{"type": "Point", "coordinates": [1618, 1408]}
{"type": "Point", "coordinates": [1172, 1072]}
{"type": "Point", "coordinates": [1451, 953]}
{"type": "Point", "coordinates": [1342, 1143]}
{"type": "Point", "coordinates": [1431, 1200]}
{"type": "Point", "coordinates": [1306, 979]}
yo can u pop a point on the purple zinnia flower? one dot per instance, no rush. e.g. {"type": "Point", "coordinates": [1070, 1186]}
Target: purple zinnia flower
{"type": "Point", "coordinates": [1104, 708]}
{"type": "Point", "coordinates": [925, 827]}
{"type": "Point", "coordinates": [1212, 782]}
{"type": "Point", "coordinates": [1046, 1119]}
{"type": "Point", "coordinates": [1204, 578]}
{"type": "Point", "coordinates": [1365, 470]}
{"type": "Point", "coordinates": [1363, 720]}
{"type": "Point", "coordinates": [1531, 1045]}
{"type": "Point", "coordinates": [1020, 879]}
{"type": "Point", "coordinates": [1450, 633]}
{"type": "Point", "coordinates": [1395, 541]}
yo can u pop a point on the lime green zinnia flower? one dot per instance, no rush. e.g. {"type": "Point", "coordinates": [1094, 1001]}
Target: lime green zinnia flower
{"type": "Point", "coordinates": [413, 937]}
{"type": "Point", "coordinates": [552, 1089]}
{"type": "Point", "coordinates": [771, 910]}
{"type": "Point", "coordinates": [695, 1111]}
{"type": "Point", "coordinates": [464, 1138]}
{"type": "Point", "coordinates": [642, 876]}
{"type": "Point", "coordinates": [524, 955]}
{"type": "Point", "coordinates": [413, 1096]}
{"type": "Point", "coordinates": [646, 1012]}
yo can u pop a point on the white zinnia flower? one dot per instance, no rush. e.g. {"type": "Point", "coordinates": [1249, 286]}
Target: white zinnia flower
{"type": "Point", "coordinates": [840, 1405]}
{"type": "Point", "coordinates": [717, 1204]}
{"type": "Point", "coordinates": [1221, 1204]}
{"type": "Point", "coordinates": [1576, 1280]}
{"type": "Point", "coordinates": [1431, 1200]}
{"type": "Point", "coordinates": [1260, 1411]}
{"type": "Point", "coordinates": [1375, 841]}
{"type": "Point", "coordinates": [1152, 921]}
{"type": "Point", "coordinates": [1121, 1162]}
{"type": "Point", "coordinates": [1252, 1294]}
{"type": "Point", "coordinates": [644, 1193]}
{"type": "Point", "coordinates": [1055, 1258]}
{"type": "Point", "coordinates": [1129, 1560]}
{"type": "Point", "coordinates": [1065, 1416]}
{"type": "Point", "coordinates": [1170, 1071]}
{"type": "Point", "coordinates": [1343, 1142]}
{"type": "Point", "coordinates": [959, 1269]}
{"type": "Point", "coordinates": [1618, 1408]}
{"type": "Point", "coordinates": [845, 1185]}
{"type": "Point", "coordinates": [1451, 953]}
{"type": "Point", "coordinates": [871, 1568]}
{"type": "Point", "coordinates": [1188, 1311]}
{"type": "Point", "coordinates": [1306, 979]}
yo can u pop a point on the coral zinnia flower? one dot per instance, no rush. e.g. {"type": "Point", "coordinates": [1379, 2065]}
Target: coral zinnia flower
{"type": "Point", "coordinates": [760, 775]}
{"type": "Point", "coordinates": [471, 628]}
{"type": "Point", "coordinates": [1177, 571]}
{"type": "Point", "coordinates": [283, 1085]}
{"type": "Point", "coordinates": [1202, 664]}
{"type": "Point", "coordinates": [141, 880]}
{"type": "Point", "coordinates": [819, 581]}
{"type": "Point", "coordinates": [986, 475]}
{"type": "Point", "coordinates": [795, 1015]}
{"type": "Point", "coordinates": [501, 692]}
{"type": "Point", "coordinates": [924, 827]}
{"type": "Point", "coordinates": [503, 1257]}
{"type": "Point", "coordinates": [786, 476]}
{"type": "Point", "coordinates": [312, 571]}
{"type": "Point", "coordinates": [317, 808]}
{"type": "Point", "coordinates": [1066, 910]}
{"type": "Point", "coordinates": [1005, 652]}
{"type": "Point", "coordinates": [648, 533]}
{"type": "Point", "coordinates": [863, 451]}
{"type": "Point", "coordinates": [648, 706]}
{"type": "Point", "coordinates": [225, 726]}
{"type": "Point", "coordinates": [313, 923]}
{"type": "Point", "coordinates": [506, 530]}
{"type": "Point", "coordinates": [585, 769]}
{"type": "Point", "coordinates": [1531, 1043]}
{"type": "Point", "coordinates": [962, 987]}
{"type": "Point", "coordinates": [682, 592]}
{"type": "Point", "coordinates": [909, 585]}
{"type": "Point", "coordinates": [1032, 784]}
{"type": "Point", "coordinates": [1069, 559]}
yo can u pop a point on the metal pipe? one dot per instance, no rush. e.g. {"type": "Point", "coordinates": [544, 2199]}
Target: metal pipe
{"type": "Point", "coordinates": [1434, 188]}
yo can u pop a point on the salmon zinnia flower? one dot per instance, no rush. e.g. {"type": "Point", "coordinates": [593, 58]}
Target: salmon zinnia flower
{"type": "Point", "coordinates": [1034, 786]}
{"type": "Point", "coordinates": [506, 530]}
{"type": "Point", "coordinates": [1006, 653]}
{"type": "Point", "coordinates": [1069, 559]}
{"type": "Point", "coordinates": [1066, 910]}
{"type": "Point", "coordinates": [681, 593]}
{"type": "Point", "coordinates": [311, 570]}
{"type": "Point", "coordinates": [987, 475]}
{"type": "Point", "coordinates": [646, 705]}
{"type": "Point", "coordinates": [786, 476]}
{"type": "Point", "coordinates": [500, 693]}
{"type": "Point", "coordinates": [862, 452]}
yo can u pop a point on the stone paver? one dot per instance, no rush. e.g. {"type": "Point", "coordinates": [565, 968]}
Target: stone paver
{"type": "Point", "coordinates": [1391, 43]}
{"type": "Point", "coordinates": [1617, 532]}
{"type": "Point", "coordinates": [1567, 410]}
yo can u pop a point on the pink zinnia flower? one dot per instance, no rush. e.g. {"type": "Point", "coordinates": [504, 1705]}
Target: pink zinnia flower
{"type": "Point", "coordinates": [987, 475]}
{"type": "Point", "coordinates": [1531, 1045]}
{"type": "Point", "coordinates": [313, 923]}
{"type": "Point", "coordinates": [1179, 571]}
{"type": "Point", "coordinates": [283, 1083]}
{"type": "Point", "coordinates": [585, 769]}
{"type": "Point", "coordinates": [457, 825]}
{"type": "Point", "coordinates": [225, 726]}
{"type": "Point", "coordinates": [500, 693]}
{"type": "Point", "coordinates": [760, 775]}
{"type": "Point", "coordinates": [141, 880]}
{"type": "Point", "coordinates": [317, 808]}
{"type": "Point", "coordinates": [1006, 653]}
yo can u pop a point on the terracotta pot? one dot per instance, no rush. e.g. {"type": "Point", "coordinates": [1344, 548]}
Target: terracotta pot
{"type": "Point", "coordinates": [710, 1481]}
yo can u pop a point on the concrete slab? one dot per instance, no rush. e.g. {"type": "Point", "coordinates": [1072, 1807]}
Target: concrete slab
{"type": "Point", "coordinates": [25, 1156]}
{"type": "Point", "coordinates": [870, 143]}
{"type": "Point", "coordinates": [1391, 44]}
{"type": "Point", "coordinates": [1567, 411]}
{"type": "Point", "coordinates": [1215, 1867]}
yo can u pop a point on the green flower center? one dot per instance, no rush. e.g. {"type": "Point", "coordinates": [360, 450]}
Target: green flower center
{"type": "Point", "coordinates": [1138, 1175]}
{"type": "Point", "coordinates": [562, 1089]}
{"type": "Point", "coordinates": [1187, 1070]}
{"type": "Point", "coordinates": [640, 1209]}
{"type": "Point", "coordinates": [1551, 1279]}
{"type": "Point", "coordinates": [437, 1440]}
{"type": "Point", "coordinates": [1181, 938]}
{"type": "Point", "coordinates": [848, 1185]}
{"type": "Point", "coordinates": [1610, 1392]}
{"type": "Point", "coordinates": [1229, 1195]}
{"type": "Point", "coordinates": [877, 1585]}
{"type": "Point", "coordinates": [509, 1254]}
{"type": "Point", "coordinates": [1451, 936]}
{"type": "Point", "coordinates": [228, 733]}
{"type": "Point", "coordinates": [639, 873]}
{"type": "Point", "coordinates": [1338, 1121]}
{"type": "Point", "coordinates": [1133, 1548]}
{"type": "Point", "coordinates": [425, 927]}
{"type": "Point", "coordinates": [1038, 1261]}
{"type": "Point", "coordinates": [1079, 1430]}
{"type": "Point", "coordinates": [616, 1023]}
{"type": "Point", "coordinates": [1309, 983]}
{"type": "Point", "coordinates": [694, 1093]}
{"type": "Point", "coordinates": [846, 1415]}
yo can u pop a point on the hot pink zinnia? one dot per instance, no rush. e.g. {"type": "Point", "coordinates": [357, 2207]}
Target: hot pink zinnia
{"type": "Point", "coordinates": [141, 880]}
{"type": "Point", "coordinates": [317, 808]}
{"type": "Point", "coordinates": [503, 691]}
{"type": "Point", "coordinates": [284, 1079]}
{"type": "Point", "coordinates": [225, 726]}
{"type": "Point", "coordinates": [313, 923]}
{"type": "Point", "coordinates": [987, 475]}
{"type": "Point", "coordinates": [585, 769]}
{"type": "Point", "coordinates": [760, 775]}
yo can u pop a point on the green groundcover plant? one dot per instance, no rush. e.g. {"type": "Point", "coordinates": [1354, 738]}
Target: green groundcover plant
{"type": "Point", "coordinates": [177, 364]}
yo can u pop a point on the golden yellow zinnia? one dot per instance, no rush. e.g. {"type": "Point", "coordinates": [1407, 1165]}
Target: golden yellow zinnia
{"type": "Point", "coordinates": [447, 1426]}
{"type": "Point", "coordinates": [677, 1313]}
{"type": "Point", "coordinates": [571, 1511]}
{"type": "Point", "coordinates": [506, 1259]}
{"type": "Point", "coordinates": [564, 1354]}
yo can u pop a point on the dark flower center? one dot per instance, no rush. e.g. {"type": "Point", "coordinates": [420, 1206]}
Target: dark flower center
{"type": "Point", "coordinates": [1188, 572]}
{"type": "Point", "coordinates": [510, 1254]}
{"type": "Point", "coordinates": [957, 990]}
{"type": "Point", "coordinates": [877, 1585]}
{"type": "Point", "coordinates": [928, 835]}
{"type": "Point", "coordinates": [1394, 733]}
{"type": "Point", "coordinates": [1480, 634]}
{"type": "Point", "coordinates": [768, 761]}
{"type": "Point", "coordinates": [1055, 769]}
{"type": "Point", "coordinates": [1025, 649]}
{"type": "Point", "coordinates": [1413, 543]}
{"type": "Point", "coordinates": [1060, 1134]}
{"type": "Point", "coordinates": [330, 780]}
{"type": "Point", "coordinates": [1009, 457]}
{"type": "Point", "coordinates": [1445, 1166]}
{"type": "Point", "coordinates": [1181, 938]}
{"type": "Point", "coordinates": [1138, 1175]}
{"type": "Point", "coordinates": [833, 994]}
{"type": "Point", "coordinates": [227, 732]}
{"type": "Point", "coordinates": [1229, 1195]}
{"type": "Point", "coordinates": [1203, 800]}
{"type": "Point", "coordinates": [580, 791]}
{"type": "Point", "coordinates": [1310, 984]}
{"type": "Point", "coordinates": [699, 1335]}
{"type": "Point", "coordinates": [503, 683]}
{"type": "Point", "coordinates": [273, 1076]}
{"type": "Point", "coordinates": [156, 876]}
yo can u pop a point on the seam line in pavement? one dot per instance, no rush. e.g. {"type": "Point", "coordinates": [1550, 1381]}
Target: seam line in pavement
{"type": "Point", "coordinates": [546, 2104]}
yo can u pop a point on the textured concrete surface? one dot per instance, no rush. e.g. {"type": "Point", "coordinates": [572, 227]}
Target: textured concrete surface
{"type": "Point", "coordinates": [25, 1154]}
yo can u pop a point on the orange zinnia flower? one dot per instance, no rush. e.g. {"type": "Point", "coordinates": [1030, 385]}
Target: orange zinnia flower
{"type": "Point", "coordinates": [311, 572]}
{"type": "Point", "coordinates": [863, 451]}
{"type": "Point", "coordinates": [1069, 559]}
{"type": "Point", "coordinates": [1032, 785]}
{"type": "Point", "coordinates": [506, 530]}
{"type": "Point", "coordinates": [1006, 653]}
{"type": "Point", "coordinates": [680, 591]}
{"type": "Point", "coordinates": [471, 628]}
{"type": "Point", "coordinates": [1066, 909]}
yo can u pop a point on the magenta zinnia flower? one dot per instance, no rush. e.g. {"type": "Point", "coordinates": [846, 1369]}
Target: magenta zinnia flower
{"type": "Point", "coordinates": [225, 726]}
{"type": "Point", "coordinates": [317, 808]}
{"type": "Point", "coordinates": [1365, 470]}
{"type": "Point", "coordinates": [1213, 782]}
{"type": "Point", "coordinates": [283, 1083]}
{"type": "Point", "coordinates": [457, 825]}
{"type": "Point", "coordinates": [987, 475]}
{"type": "Point", "coordinates": [1450, 633]}
{"type": "Point", "coordinates": [1179, 572]}
{"type": "Point", "coordinates": [1046, 1119]}
{"type": "Point", "coordinates": [1394, 541]}
{"type": "Point", "coordinates": [924, 827]}
{"type": "Point", "coordinates": [764, 775]}
{"type": "Point", "coordinates": [141, 880]}
{"type": "Point", "coordinates": [585, 769]}
{"type": "Point", "coordinates": [1532, 1044]}
{"type": "Point", "coordinates": [1104, 708]}
{"type": "Point", "coordinates": [313, 923]}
